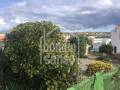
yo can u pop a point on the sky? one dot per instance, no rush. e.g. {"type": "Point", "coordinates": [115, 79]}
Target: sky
{"type": "Point", "coordinates": [69, 15]}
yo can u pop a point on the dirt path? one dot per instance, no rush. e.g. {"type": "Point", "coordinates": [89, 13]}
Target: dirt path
{"type": "Point", "coordinates": [117, 62]}
{"type": "Point", "coordinates": [84, 63]}
{"type": "Point", "coordinates": [92, 58]}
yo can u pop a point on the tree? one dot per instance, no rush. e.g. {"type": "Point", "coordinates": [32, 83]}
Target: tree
{"type": "Point", "coordinates": [80, 43]}
{"type": "Point", "coordinates": [106, 48]}
{"type": "Point", "coordinates": [29, 60]}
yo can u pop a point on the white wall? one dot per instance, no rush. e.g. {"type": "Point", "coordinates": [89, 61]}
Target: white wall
{"type": "Point", "coordinates": [115, 38]}
{"type": "Point", "coordinates": [97, 42]}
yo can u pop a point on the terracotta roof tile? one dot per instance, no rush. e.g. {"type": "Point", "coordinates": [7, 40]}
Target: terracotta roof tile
{"type": "Point", "coordinates": [2, 37]}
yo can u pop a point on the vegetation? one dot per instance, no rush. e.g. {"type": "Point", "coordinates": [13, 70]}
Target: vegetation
{"type": "Point", "coordinates": [104, 58]}
{"type": "Point", "coordinates": [98, 66]}
{"type": "Point", "coordinates": [1, 43]}
{"type": "Point", "coordinates": [36, 58]}
{"type": "Point", "coordinates": [32, 65]}
{"type": "Point", "coordinates": [80, 43]}
{"type": "Point", "coordinates": [106, 48]}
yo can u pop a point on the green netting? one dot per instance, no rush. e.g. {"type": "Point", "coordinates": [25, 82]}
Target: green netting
{"type": "Point", "coordinates": [98, 84]}
{"type": "Point", "coordinates": [108, 81]}
{"type": "Point", "coordinates": [116, 81]}
{"type": "Point", "coordinates": [116, 84]}
{"type": "Point", "coordinates": [84, 85]}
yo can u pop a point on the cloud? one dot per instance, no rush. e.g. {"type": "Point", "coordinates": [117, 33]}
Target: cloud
{"type": "Point", "coordinates": [2, 22]}
{"type": "Point", "coordinates": [18, 20]}
{"type": "Point", "coordinates": [105, 2]}
{"type": "Point", "coordinates": [70, 15]}
{"type": "Point", "coordinates": [87, 12]}
{"type": "Point", "coordinates": [21, 4]}
{"type": "Point", "coordinates": [3, 25]}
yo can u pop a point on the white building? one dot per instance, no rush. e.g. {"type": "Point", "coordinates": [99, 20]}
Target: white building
{"type": "Point", "coordinates": [115, 39]}
{"type": "Point", "coordinates": [97, 42]}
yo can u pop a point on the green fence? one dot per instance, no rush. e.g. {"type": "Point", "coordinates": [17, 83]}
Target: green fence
{"type": "Point", "coordinates": [107, 81]}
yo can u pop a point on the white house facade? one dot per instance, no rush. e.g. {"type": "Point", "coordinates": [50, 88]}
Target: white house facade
{"type": "Point", "coordinates": [97, 42]}
{"type": "Point", "coordinates": [115, 39]}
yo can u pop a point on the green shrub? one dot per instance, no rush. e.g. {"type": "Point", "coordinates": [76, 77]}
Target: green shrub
{"type": "Point", "coordinates": [104, 58]}
{"type": "Point", "coordinates": [31, 63]}
{"type": "Point", "coordinates": [108, 49]}
{"type": "Point", "coordinates": [80, 43]}
{"type": "Point", "coordinates": [98, 66]}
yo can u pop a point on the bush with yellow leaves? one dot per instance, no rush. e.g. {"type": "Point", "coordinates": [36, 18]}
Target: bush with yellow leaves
{"type": "Point", "coordinates": [98, 66]}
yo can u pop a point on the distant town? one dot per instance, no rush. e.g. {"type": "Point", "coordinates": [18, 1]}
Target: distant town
{"type": "Point", "coordinates": [98, 38]}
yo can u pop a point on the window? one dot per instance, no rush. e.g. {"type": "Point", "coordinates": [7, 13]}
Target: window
{"type": "Point", "coordinates": [115, 49]}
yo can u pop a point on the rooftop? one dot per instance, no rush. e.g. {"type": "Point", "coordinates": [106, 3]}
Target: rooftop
{"type": "Point", "coordinates": [2, 37]}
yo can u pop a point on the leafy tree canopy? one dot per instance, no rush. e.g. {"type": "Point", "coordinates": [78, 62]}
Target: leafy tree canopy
{"type": "Point", "coordinates": [26, 49]}
{"type": "Point", "coordinates": [80, 43]}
